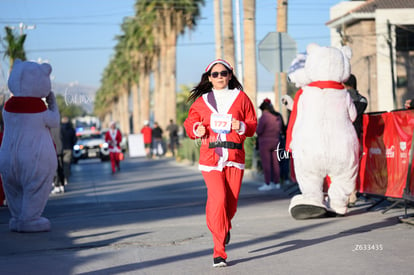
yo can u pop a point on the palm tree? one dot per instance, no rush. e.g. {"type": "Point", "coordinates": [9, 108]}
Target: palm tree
{"type": "Point", "coordinates": [15, 46]}
{"type": "Point", "coordinates": [142, 50]}
{"type": "Point", "coordinates": [111, 101]}
{"type": "Point", "coordinates": [104, 98]}
{"type": "Point", "coordinates": [228, 33]}
{"type": "Point", "coordinates": [171, 19]}
{"type": "Point", "coordinates": [250, 67]}
{"type": "Point", "coordinates": [122, 77]}
{"type": "Point", "coordinates": [217, 29]}
{"type": "Point", "coordinates": [147, 46]}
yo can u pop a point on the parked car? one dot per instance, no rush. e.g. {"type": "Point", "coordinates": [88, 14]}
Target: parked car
{"type": "Point", "coordinates": [90, 145]}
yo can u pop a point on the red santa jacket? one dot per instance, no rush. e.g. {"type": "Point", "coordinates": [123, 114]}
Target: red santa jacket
{"type": "Point", "coordinates": [113, 141]}
{"type": "Point", "coordinates": [200, 112]}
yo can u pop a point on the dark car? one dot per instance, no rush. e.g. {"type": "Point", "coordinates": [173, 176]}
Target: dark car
{"type": "Point", "coordinates": [90, 145]}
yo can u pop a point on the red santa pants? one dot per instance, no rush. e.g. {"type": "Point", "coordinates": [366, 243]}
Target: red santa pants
{"type": "Point", "coordinates": [223, 188]}
{"type": "Point", "coordinates": [114, 156]}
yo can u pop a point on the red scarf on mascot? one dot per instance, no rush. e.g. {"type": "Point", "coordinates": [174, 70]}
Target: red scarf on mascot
{"type": "Point", "coordinates": [25, 105]}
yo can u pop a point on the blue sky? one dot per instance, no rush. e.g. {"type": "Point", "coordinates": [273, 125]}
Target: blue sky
{"type": "Point", "coordinates": [77, 36]}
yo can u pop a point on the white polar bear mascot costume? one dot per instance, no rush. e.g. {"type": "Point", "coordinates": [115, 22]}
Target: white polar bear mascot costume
{"type": "Point", "coordinates": [321, 135]}
{"type": "Point", "coordinates": [28, 160]}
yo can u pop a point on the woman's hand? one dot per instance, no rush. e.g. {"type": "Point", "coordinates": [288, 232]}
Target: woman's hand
{"type": "Point", "coordinates": [235, 124]}
{"type": "Point", "coordinates": [201, 130]}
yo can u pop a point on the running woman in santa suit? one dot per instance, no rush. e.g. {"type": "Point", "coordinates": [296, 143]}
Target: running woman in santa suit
{"type": "Point", "coordinates": [222, 116]}
{"type": "Point", "coordinates": [114, 137]}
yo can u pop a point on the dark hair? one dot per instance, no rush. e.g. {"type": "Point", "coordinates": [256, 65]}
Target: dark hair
{"type": "Point", "coordinates": [266, 105]}
{"type": "Point", "coordinates": [351, 82]}
{"type": "Point", "coordinates": [205, 85]}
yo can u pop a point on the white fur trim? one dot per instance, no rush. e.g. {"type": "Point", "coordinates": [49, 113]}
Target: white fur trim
{"type": "Point", "coordinates": [195, 128]}
{"type": "Point", "coordinates": [206, 168]}
{"type": "Point", "coordinates": [242, 129]}
{"type": "Point", "coordinates": [219, 61]}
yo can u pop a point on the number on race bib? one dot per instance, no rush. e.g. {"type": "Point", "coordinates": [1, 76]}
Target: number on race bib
{"type": "Point", "coordinates": [221, 123]}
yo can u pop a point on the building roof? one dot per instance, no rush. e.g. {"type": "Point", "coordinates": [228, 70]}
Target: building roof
{"type": "Point", "coordinates": [367, 10]}
{"type": "Point", "coordinates": [372, 5]}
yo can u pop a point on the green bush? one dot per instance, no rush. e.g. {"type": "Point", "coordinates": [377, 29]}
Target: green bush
{"type": "Point", "coordinates": [190, 150]}
{"type": "Point", "coordinates": [249, 148]}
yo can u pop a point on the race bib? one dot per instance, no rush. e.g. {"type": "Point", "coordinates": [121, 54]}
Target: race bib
{"type": "Point", "coordinates": [220, 123]}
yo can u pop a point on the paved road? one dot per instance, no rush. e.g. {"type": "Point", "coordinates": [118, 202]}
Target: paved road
{"type": "Point", "coordinates": [149, 219]}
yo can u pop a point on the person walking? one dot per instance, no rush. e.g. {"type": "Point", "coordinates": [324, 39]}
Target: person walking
{"type": "Point", "coordinates": [222, 116]}
{"type": "Point", "coordinates": [114, 137]}
{"type": "Point", "coordinates": [268, 132]}
{"type": "Point", "coordinates": [157, 145]}
{"type": "Point", "coordinates": [69, 139]}
{"type": "Point", "coordinates": [146, 132]}
{"type": "Point", "coordinates": [172, 128]}
{"type": "Point", "coordinates": [59, 179]}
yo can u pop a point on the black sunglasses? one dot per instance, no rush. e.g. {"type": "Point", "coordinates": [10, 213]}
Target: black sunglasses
{"type": "Point", "coordinates": [222, 73]}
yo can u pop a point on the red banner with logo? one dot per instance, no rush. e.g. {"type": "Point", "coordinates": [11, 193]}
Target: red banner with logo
{"type": "Point", "coordinates": [386, 146]}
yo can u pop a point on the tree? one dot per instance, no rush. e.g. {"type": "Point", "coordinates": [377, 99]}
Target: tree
{"type": "Point", "coordinates": [182, 105]}
{"type": "Point", "coordinates": [15, 46]}
{"type": "Point", "coordinates": [250, 67]}
{"type": "Point", "coordinates": [141, 51]}
{"type": "Point", "coordinates": [170, 19]}
{"type": "Point", "coordinates": [69, 110]}
{"type": "Point", "coordinates": [217, 29]}
{"type": "Point", "coordinates": [228, 32]}
{"type": "Point", "coordinates": [147, 47]}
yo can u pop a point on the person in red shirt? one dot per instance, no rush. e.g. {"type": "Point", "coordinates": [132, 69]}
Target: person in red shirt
{"type": "Point", "coordinates": [146, 131]}
{"type": "Point", "coordinates": [222, 116]}
{"type": "Point", "coordinates": [113, 137]}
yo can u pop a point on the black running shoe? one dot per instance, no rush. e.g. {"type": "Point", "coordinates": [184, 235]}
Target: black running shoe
{"type": "Point", "coordinates": [227, 241]}
{"type": "Point", "coordinates": [219, 262]}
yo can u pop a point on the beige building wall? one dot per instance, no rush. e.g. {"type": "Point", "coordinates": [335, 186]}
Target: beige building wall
{"type": "Point", "coordinates": [361, 37]}
{"type": "Point", "coordinates": [371, 61]}
{"type": "Point", "coordinates": [394, 17]}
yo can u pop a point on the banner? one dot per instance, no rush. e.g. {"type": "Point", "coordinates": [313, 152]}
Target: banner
{"type": "Point", "coordinates": [386, 146]}
{"type": "Point", "coordinates": [136, 145]}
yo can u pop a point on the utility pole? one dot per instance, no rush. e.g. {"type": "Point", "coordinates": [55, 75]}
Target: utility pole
{"type": "Point", "coordinates": [239, 64]}
{"type": "Point", "coordinates": [390, 45]}
{"type": "Point", "coordinates": [22, 27]}
{"type": "Point", "coordinates": [281, 78]}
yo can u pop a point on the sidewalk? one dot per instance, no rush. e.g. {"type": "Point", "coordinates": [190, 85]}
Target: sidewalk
{"type": "Point", "coordinates": [149, 219]}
